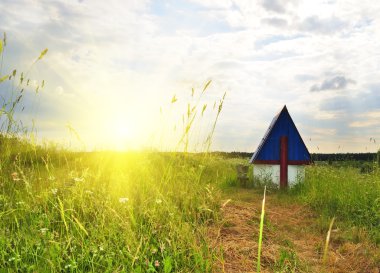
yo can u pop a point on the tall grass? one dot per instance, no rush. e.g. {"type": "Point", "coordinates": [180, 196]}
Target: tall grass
{"type": "Point", "coordinates": [103, 212]}
{"type": "Point", "coordinates": [196, 113]}
{"type": "Point", "coordinates": [258, 270]}
{"type": "Point", "coordinates": [326, 249]}
{"type": "Point", "coordinates": [346, 193]}
{"type": "Point", "coordinates": [62, 211]}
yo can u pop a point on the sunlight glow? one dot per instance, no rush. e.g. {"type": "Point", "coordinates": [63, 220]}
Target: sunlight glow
{"type": "Point", "coordinates": [123, 132]}
{"type": "Point", "coordinates": [118, 127]}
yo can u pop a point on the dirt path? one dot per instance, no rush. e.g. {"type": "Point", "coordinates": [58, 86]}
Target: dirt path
{"type": "Point", "coordinates": [293, 239]}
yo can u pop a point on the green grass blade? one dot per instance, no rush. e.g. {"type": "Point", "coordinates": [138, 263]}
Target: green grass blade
{"type": "Point", "coordinates": [80, 225]}
{"type": "Point", "coordinates": [261, 232]}
{"type": "Point", "coordinates": [326, 249]}
{"type": "Point", "coordinates": [206, 86]}
{"type": "Point", "coordinates": [62, 212]}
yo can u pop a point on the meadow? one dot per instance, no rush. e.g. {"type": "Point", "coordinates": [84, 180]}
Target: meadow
{"type": "Point", "coordinates": [107, 212]}
{"type": "Point", "coordinates": [149, 211]}
{"type": "Point", "coordinates": [344, 192]}
{"type": "Point", "coordinates": [65, 211]}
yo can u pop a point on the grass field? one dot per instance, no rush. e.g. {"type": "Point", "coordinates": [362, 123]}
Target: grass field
{"type": "Point", "coordinates": [107, 212]}
{"type": "Point", "coordinates": [143, 212]}
{"type": "Point", "coordinates": [65, 211]}
{"type": "Point", "coordinates": [345, 193]}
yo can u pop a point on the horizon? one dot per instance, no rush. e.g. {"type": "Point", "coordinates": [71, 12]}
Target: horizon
{"type": "Point", "coordinates": [114, 69]}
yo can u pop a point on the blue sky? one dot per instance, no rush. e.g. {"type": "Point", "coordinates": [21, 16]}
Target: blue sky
{"type": "Point", "coordinates": [112, 65]}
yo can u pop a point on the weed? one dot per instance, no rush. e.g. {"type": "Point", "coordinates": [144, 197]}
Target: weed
{"type": "Point", "coordinates": [261, 233]}
{"type": "Point", "coordinates": [343, 192]}
{"type": "Point", "coordinates": [326, 248]}
{"type": "Point", "coordinates": [287, 262]}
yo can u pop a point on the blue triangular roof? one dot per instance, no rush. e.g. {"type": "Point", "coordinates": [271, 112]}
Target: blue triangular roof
{"type": "Point", "coordinates": [268, 151]}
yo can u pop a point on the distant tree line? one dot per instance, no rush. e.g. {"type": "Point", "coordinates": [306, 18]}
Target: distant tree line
{"type": "Point", "coordinates": [233, 154]}
{"type": "Point", "coordinates": [314, 156]}
{"type": "Point", "coordinates": [344, 157]}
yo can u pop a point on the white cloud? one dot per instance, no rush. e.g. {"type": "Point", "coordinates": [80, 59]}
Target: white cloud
{"type": "Point", "coordinates": [364, 123]}
{"type": "Point", "coordinates": [123, 56]}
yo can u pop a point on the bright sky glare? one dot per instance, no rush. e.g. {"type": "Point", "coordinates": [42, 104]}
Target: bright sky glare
{"type": "Point", "coordinates": [112, 65]}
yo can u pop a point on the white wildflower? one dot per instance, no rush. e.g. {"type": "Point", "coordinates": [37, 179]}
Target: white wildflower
{"type": "Point", "coordinates": [54, 191]}
{"type": "Point", "coordinates": [123, 200]}
{"type": "Point", "coordinates": [71, 265]}
{"type": "Point", "coordinates": [15, 258]}
{"type": "Point", "coordinates": [158, 201]}
{"type": "Point", "coordinates": [15, 176]}
{"type": "Point", "coordinates": [51, 178]}
{"type": "Point", "coordinates": [44, 230]}
{"type": "Point", "coordinates": [78, 179]}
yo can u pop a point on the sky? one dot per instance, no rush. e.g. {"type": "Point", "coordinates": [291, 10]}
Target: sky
{"type": "Point", "coordinates": [114, 67]}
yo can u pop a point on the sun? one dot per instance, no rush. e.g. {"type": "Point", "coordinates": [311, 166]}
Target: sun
{"type": "Point", "coordinates": [119, 127]}
{"type": "Point", "coordinates": [116, 131]}
{"type": "Point", "coordinates": [123, 133]}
